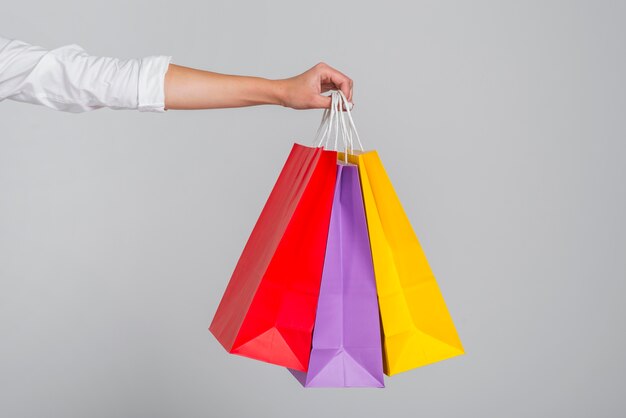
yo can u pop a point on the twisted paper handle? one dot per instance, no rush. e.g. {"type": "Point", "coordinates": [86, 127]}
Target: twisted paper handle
{"type": "Point", "coordinates": [333, 121]}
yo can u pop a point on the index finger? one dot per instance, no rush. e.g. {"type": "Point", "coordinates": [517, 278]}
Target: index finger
{"type": "Point", "coordinates": [340, 80]}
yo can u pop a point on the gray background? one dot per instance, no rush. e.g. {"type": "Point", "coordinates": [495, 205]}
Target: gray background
{"type": "Point", "coordinates": [500, 123]}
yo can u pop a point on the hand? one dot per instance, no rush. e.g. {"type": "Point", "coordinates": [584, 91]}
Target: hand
{"type": "Point", "coordinates": [304, 91]}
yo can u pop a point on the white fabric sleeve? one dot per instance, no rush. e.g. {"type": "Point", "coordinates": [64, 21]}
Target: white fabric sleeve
{"type": "Point", "coordinates": [71, 80]}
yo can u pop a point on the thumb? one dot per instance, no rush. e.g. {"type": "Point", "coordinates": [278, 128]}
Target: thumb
{"type": "Point", "coordinates": [321, 102]}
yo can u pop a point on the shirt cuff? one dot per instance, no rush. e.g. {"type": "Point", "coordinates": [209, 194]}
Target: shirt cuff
{"type": "Point", "coordinates": [151, 88]}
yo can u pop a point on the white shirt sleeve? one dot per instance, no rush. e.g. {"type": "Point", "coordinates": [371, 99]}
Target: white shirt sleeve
{"type": "Point", "coordinates": [70, 80]}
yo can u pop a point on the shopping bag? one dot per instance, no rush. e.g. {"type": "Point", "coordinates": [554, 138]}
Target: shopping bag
{"type": "Point", "coordinates": [346, 338]}
{"type": "Point", "coordinates": [417, 327]}
{"type": "Point", "coordinates": [267, 311]}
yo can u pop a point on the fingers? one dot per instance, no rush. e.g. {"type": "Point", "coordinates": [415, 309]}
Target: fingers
{"type": "Point", "coordinates": [325, 102]}
{"type": "Point", "coordinates": [332, 77]}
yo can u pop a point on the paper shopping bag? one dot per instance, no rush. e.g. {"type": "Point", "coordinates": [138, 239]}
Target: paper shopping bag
{"type": "Point", "coordinates": [346, 338]}
{"type": "Point", "coordinates": [268, 309]}
{"type": "Point", "coordinates": [417, 328]}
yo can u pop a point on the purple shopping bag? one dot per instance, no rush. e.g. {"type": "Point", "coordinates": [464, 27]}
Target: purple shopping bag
{"type": "Point", "coordinates": [346, 347]}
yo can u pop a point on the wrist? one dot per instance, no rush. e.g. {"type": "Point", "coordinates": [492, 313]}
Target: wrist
{"type": "Point", "coordinates": [277, 92]}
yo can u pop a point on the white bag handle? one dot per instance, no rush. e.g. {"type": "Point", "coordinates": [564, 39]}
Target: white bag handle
{"type": "Point", "coordinates": [333, 118]}
{"type": "Point", "coordinates": [352, 125]}
{"type": "Point", "coordinates": [331, 124]}
{"type": "Point", "coordinates": [329, 120]}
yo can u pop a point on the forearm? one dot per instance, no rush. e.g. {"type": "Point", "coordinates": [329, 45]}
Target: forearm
{"type": "Point", "coordinates": [189, 88]}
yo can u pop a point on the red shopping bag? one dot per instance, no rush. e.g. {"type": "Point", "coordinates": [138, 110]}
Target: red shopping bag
{"type": "Point", "coordinates": [268, 309]}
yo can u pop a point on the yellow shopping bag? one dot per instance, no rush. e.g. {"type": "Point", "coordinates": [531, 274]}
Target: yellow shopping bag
{"type": "Point", "coordinates": [417, 328]}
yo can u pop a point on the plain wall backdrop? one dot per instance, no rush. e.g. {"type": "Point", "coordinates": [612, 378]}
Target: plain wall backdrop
{"type": "Point", "coordinates": [501, 124]}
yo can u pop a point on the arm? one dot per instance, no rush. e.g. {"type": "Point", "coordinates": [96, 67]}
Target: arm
{"type": "Point", "coordinates": [69, 79]}
{"type": "Point", "coordinates": [188, 88]}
